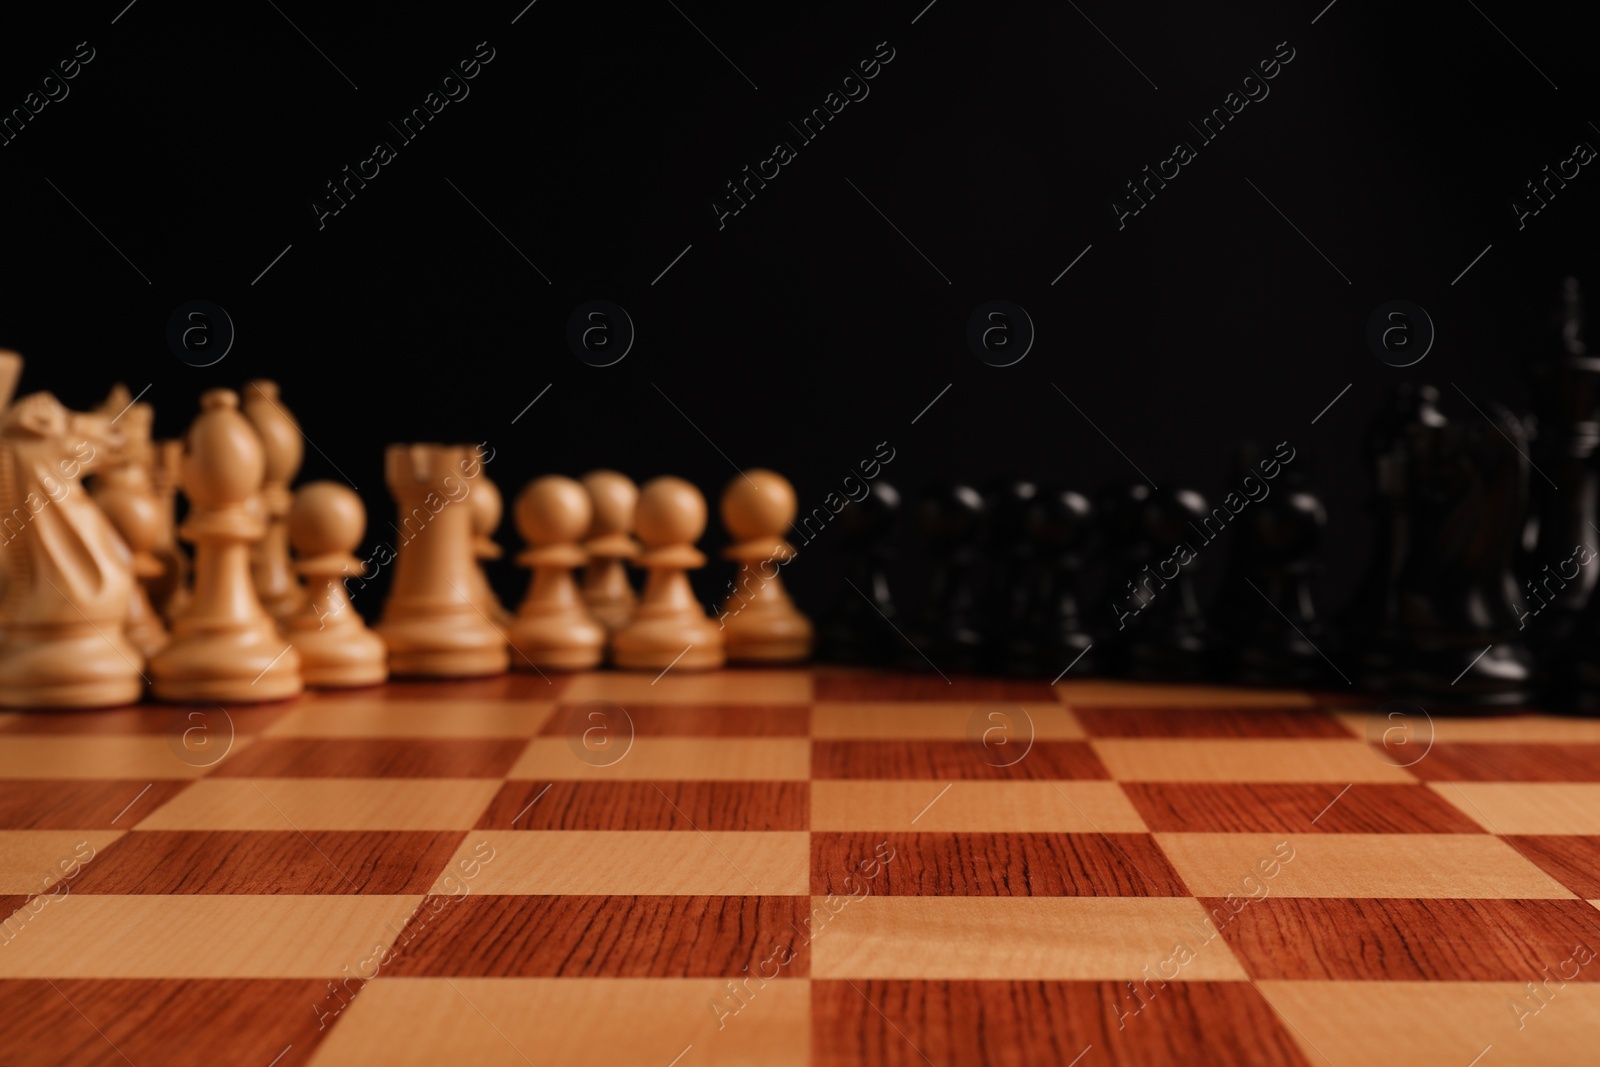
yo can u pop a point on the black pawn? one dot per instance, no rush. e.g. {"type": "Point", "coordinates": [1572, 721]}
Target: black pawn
{"type": "Point", "coordinates": [1055, 635]}
{"type": "Point", "coordinates": [947, 633]}
{"type": "Point", "coordinates": [1169, 640]}
{"type": "Point", "coordinates": [860, 628]}
{"type": "Point", "coordinates": [1272, 631]}
{"type": "Point", "coordinates": [1008, 568]}
{"type": "Point", "coordinates": [1127, 553]}
{"type": "Point", "coordinates": [1371, 640]}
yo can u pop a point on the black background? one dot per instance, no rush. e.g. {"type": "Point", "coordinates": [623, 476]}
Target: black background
{"type": "Point", "coordinates": [807, 330]}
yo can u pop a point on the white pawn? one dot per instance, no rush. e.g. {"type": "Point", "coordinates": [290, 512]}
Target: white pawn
{"type": "Point", "coordinates": [487, 507]}
{"type": "Point", "coordinates": [762, 623]}
{"type": "Point", "coordinates": [553, 629]}
{"type": "Point", "coordinates": [336, 649]}
{"type": "Point", "coordinates": [669, 628]}
{"type": "Point", "coordinates": [610, 545]}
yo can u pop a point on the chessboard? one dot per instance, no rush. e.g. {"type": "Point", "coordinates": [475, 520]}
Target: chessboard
{"type": "Point", "coordinates": [794, 867]}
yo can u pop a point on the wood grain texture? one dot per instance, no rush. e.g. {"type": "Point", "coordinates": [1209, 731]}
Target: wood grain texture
{"type": "Point", "coordinates": [944, 760]}
{"type": "Point", "coordinates": [1510, 762]}
{"type": "Point", "coordinates": [906, 1023]}
{"type": "Point", "coordinates": [1411, 940]}
{"type": "Point", "coordinates": [144, 719]}
{"type": "Point", "coordinates": [610, 937]}
{"type": "Point", "coordinates": [991, 864]}
{"type": "Point", "coordinates": [1573, 861]}
{"type": "Point", "coordinates": [1265, 807]}
{"type": "Point", "coordinates": [567, 805]}
{"type": "Point", "coordinates": [1115, 720]}
{"type": "Point", "coordinates": [931, 688]}
{"type": "Point", "coordinates": [296, 757]}
{"type": "Point", "coordinates": [87, 805]}
{"type": "Point", "coordinates": [516, 685]}
{"type": "Point", "coordinates": [268, 862]}
{"type": "Point", "coordinates": [695, 720]}
{"type": "Point", "coordinates": [996, 807]}
{"type": "Point", "coordinates": [175, 1022]}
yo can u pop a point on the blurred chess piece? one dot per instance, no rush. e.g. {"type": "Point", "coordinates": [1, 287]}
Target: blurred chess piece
{"type": "Point", "coordinates": [430, 622]}
{"type": "Point", "coordinates": [123, 489]}
{"type": "Point", "coordinates": [947, 635]}
{"type": "Point", "coordinates": [70, 573]}
{"type": "Point", "coordinates": [553, 629]}
{"type": "Point", "coordinates": [860, 628]}
{"type": "Point", "coordinates": [10, 376]}
{"type": "Point", "coordinates": [283, 447]}
{"type": "Point", "coordinates": [487, 507]}
{"type": "Point", "coordinates": [669, 628]}
{"type": "Point", "coordinates": [326, 522]}
{"type": "Point", "coordinates": [1172, 641]}
{"type": "Point", "coordinates": [1059, 525]}
{"type": "Point", "coordinates": [610, 545]}
{"type": "Point", "coordinates": [1566, 394]}
{"type": "Point", "coordinates": [169, 590]}
{"type": "Point", "coordinates": [760, 621]}
{"type": "Point", "coordinates": [1269, 630]}
{"type": "Point", "coordinates": [1461, 640]}
{"type": "Point", "coordinates": [225, 647]}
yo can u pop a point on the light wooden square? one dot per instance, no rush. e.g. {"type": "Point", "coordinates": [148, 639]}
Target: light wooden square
{"type": "Point", "coordinates": [1039, 938]}
{"type": "Point", "coordinates": [1420, 866]}
{"type": "Point", "coordinates": [414, 718]}
{"type": "Point", "coordinates": [1527, 807]}
{"type": "Point", "coordinates": [86, 936]}
{"type": "Point", "coordinates": [512, 1022]}
{"type": "Point", "coordinates": [1438, 1024]}
{"type": "Point", "coordinates": [31, 861]}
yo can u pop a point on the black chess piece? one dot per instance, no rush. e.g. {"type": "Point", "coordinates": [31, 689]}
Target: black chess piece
{"type": "Point", "coordinates": [1269, 630]}
{"type": "Point", "coordinates": [1171, 641]}
{"type": "Point", "coordinates": [1566, 392]}
{"type": "Point", "coordinates": [947, 633]}
{"type": "Point", "coordinates": [1005, 595]}
{"type": "Point", "coordinates": [860, 627]}
{"type": "Point", "coordinates": [1466, 497]}
{"type": "Point", "coordinates": [1370, 634]}
{"type": "Point", "coordinates": [1054, 634]}
{"type": "Point", "coordinates": [1121, 507]}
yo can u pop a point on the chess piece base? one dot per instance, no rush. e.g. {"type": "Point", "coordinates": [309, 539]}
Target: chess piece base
{"type": "Point", "coordinates": [655, 644]}
{"type": "Point", "coordinates": [776, 634]}
{"type": "Point", "coordinates": [244, 666]}
{"type": "Point", "coordinates": [443, 646]}
{"type": "Point", "coordinates": [561, 641]}
{"type": "Point", "coordinates": [74, 670]}
{"type": "Point", "coordinates": [340, 659]}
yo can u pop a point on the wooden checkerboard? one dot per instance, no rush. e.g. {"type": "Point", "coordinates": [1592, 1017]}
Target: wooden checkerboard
{"type": "Point", "coordinates": [798, 867]}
